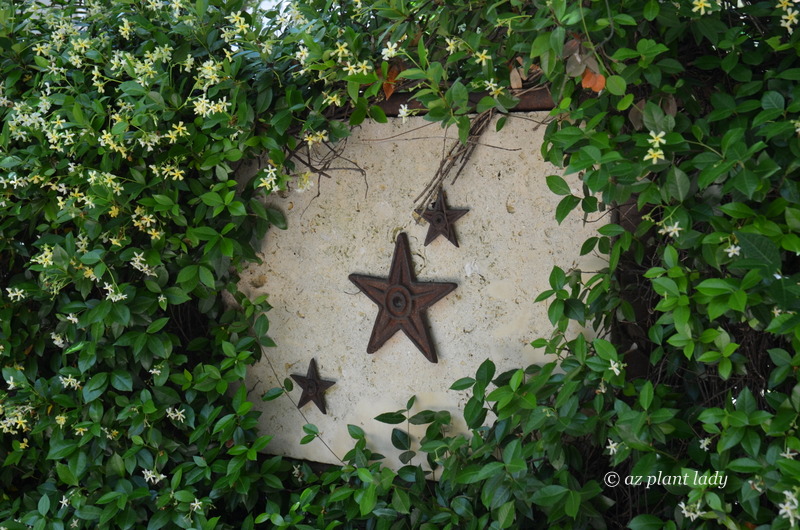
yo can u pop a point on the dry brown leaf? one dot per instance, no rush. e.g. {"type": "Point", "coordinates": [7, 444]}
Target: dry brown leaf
{"type": "Point", "coordinates": [591, 62]}
{"type": "Point", "coordinates": [670, 106]}
{"type": "Point", "coordinates": [570, 48]}
{"type": "Point", "coordinates": [391, 75]}
{"type": "Point", "coordinates": [635, 115]}
{"type": "Point", "coordinates": [593, 81]}
{"type": "Point", "coordinates": [575, 66]}
{"type": "Point", "coordinates": [515, 78]}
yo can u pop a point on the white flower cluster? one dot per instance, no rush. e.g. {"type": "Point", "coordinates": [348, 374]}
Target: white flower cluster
{"type": "Point", "coordinates": [670, 230]}
{"type": "Point", "coordinates": [146, 222]}
{"type": "Point", "coordinates": [692, 511]}
{"type": "Point", "coordinates": [789, 18]}
{"type": "Point", "coordinates": [14, 419]}
{"type": "Point", "coordinates": [45, 257]}
{"type": "Point", "coordinates": [205, 107]}
{"type": "Point", "coordinates": [304, 182]}
{"type": "Point", "coordinates": [14, 180]}
{"type": "Point", "coordinates": [149, 139]}
{"type": "Point", "coordinates": [106, 179]}
{"type": "Point", "coordinates": [152, 476]}
{"type": "Point", "coordinates": [69, 382]}
{"type": "Point", "coordinates": [316, 138]}
{"type": "Point", "coordinates": [58, 340]}
{"type": "Point", "coordinates": [25, 120]}
{"type": "Point", "coordinates": [113, 293]}
{"type": "Point", "coordinates": [209, 74]}
{"type": "Point", "coordinates": [270, 179]}
{"type": "Point", "coordinates": [494, 89]}
{"type": "Point", "coordinates": [15, 294]}
{"type": "Point", "coordinates": [138, 262]}
{"type": "Point", "coordinates": [176, 414]}
{"type": "Point", "coordinates": [291, 17]}
{"type": "Point", "coordinates": [655, 153]}
{"type": "Point", "coordinates": [790, 508]}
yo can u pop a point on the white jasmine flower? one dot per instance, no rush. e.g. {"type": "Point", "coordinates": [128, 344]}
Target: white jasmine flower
{"type": "Point", "coordinates": [69, 382]}
{"type": "Point", "coordinates": [692, 511]}
{"type": "Point", "coordinates": [705, 443]}
{"type": "Point", "coordinates": [701, 6]}
{"type": "Point", "coordinates": [656, 139]}
{"type": "Point", "coordinates": [176, 414]}
{"type": "Point", "coordinates": [404, 112]}
{"type": "Point", "coordinates": [302, 55]}
{"type": "Point", "coordinates": [615, 367]}
{"type": "Point", "coordinates": [304, 182]}
{"type": "Point", "coordinates": [654, 154]}
{"type": "Point", "coordinates": [789, 507]}
{"type": "Point", "coordinates": [332, 99]}
{"type": "Point", "coordinates": [363, 67]}
{"type": "Point", "coordinates": [671, 231]}
{"type": "Point", "coordinates": [350, 68]}
{"type": "Point", "coordinates": [733, 250]}
{"type": "Point", "coordinates": [789, 20]}
{"type": "Point", "coordinates": [341, 50]}
{"type": "Point", "coordinates": [15, 294]}
{"type": "Point", "coordinates": [452, 45]}
{"type": "Point", "coordinates": [58, 340]}
{"type": "Point", "coordinates": [612, 447]}
{"type": "Point", "coordinates": [151, 476]}
{"type": "Point", "coordinates": [493, 88]}
{"type": "Point", "coordinates": [389, 51]}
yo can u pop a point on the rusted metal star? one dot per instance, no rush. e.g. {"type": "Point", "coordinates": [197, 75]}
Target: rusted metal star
{"type": "Point", "coordinates": [313, 387]}
{"type": "Point", "coordinates": [441, 220]}
{"type": "Point", "coordinates": [401, 301]}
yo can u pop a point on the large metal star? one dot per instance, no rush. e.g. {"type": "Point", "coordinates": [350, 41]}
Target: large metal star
{"type": "Point", "coordinates": [313, 387]}
{"type": "Point", "coordinates": [401, 301]}
{"type": "Point", "coordinates": [441, 220]}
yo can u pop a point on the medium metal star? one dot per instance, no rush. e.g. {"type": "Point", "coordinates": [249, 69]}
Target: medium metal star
{"type": "Point", "coordinates": [441, 220]}
{"type": "Point", "coordinates": [313, 387]}
{"type": "Point", "coordinates": [401, 301]}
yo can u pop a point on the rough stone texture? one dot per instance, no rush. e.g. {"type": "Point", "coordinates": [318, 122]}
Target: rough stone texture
{"type": "Point", "coordinates": [509, 243]}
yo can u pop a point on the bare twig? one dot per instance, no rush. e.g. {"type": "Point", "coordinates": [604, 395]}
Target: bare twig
{"type": "Point", "coordinates": [456, 158]}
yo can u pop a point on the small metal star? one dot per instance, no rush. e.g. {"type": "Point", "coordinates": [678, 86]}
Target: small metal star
{"type": "Point", "coordinates": [401, 301]}
{"type": "Point", "coordinates": [441, 220]}
{"type": "Point", "coordinates": [313, 387]}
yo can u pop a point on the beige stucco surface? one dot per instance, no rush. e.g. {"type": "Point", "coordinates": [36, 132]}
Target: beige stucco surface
{"type": "Point", "coordinates": [509, 242]}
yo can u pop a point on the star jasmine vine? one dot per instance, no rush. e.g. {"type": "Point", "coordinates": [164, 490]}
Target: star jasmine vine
{"type": "Point", "coordinates": [126, 216]}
